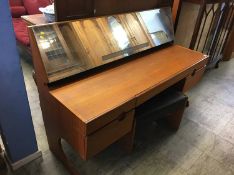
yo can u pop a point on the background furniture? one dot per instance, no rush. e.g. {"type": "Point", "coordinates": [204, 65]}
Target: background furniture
{"type": "Point", "coordinates": [24, 7]}
{"type": "Point", "coordinates": [212, 29]}
{"type": "Point", "coordinates": [229, 47]}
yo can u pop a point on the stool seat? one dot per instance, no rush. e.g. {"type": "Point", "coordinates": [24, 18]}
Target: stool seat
{"type": "Point", "coordinates": [161, 105]}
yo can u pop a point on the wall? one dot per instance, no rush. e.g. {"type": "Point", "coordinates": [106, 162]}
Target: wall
{"type": "Point", "coordinates": [15, 118]}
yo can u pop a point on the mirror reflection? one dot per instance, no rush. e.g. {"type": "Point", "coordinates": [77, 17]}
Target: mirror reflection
{"type": "Point", "coordinates": [72, 47]}
{"type": "Point", "coordinates": [159, 25]}
{"type": "Point", "coordinates": [119, 33]}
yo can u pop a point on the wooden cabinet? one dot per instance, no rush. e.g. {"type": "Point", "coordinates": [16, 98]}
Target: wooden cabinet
{"type": "Point", "coordinates": [107, 7]}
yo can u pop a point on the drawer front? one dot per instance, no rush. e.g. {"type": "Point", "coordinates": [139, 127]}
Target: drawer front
{"type": "Point", "coordinates": [193, 79]}
{"type": "Point", "coordinates": [108, 117]}
{"type": "Point", "coordinates": [109, 134]}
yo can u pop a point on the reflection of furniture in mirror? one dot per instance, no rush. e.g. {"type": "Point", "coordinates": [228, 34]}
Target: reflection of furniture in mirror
{"type": "Point", "coordinates": [57, 55]}
{"type": "Point", "coordinates": [94, 110]}
{"type": "Point", "coordinates": [108, 7]}
{"type": "Point", "coordinates": [72, 47]}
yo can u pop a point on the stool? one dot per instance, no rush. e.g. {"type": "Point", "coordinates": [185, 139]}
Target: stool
{"type": "Point", "coordinates": [169, 105]}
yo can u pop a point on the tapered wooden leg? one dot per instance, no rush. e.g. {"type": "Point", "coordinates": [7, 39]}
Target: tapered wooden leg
{"type": "Point", "coordinates": [127, 141]}
{"type": "Point", "coordinates": [55, 146]}
{"type": "Point", "coordinates": [175, 119]}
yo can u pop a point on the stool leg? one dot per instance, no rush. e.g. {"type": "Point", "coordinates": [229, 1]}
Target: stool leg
{"type": "Point", "coordinates": [175, 119]}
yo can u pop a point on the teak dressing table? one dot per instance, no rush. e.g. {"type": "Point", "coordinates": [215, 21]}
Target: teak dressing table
{"type": "Point", "coordinates": [95, 110]}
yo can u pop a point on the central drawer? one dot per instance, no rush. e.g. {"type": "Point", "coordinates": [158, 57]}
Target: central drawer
{"type": "Point", "coordinates": [109, 134]}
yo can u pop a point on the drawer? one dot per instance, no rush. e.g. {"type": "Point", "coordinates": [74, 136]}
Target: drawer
{"type": "Point", "coordinates": [194, 78]}
{"type": "Point", "coordinates": [101, 121]}
{"type": "Point", "coordinates": [109, 134]}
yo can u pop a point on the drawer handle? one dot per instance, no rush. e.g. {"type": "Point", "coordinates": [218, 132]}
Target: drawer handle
{"type": "Point", "coordinates": [122, 117]}
{"type": "Point", "coordinates": [194, 72]}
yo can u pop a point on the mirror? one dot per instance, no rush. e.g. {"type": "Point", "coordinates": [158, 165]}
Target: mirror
{"type": "Point", "coordinates": [72, 47]}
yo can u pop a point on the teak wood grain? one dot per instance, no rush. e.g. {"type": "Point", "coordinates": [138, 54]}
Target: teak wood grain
{"type": "Point", "coordinates": [99, 94]}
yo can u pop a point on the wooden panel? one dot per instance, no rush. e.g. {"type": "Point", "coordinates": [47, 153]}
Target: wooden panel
{"type": "Point", "coordinates": [109, 134]}
{"type": "Point", "coordinates": [229, 47]}
{"type": "Point", "coordinates": [73, 9]}
{"type": "Point", "coordinates": [70, 9]}
{"type": "Point", "coordinates": [184, 31]}
{"type": "Point", "coordinates": [193, 79]}
{"type": "Point", "coordinates": [201, 1]}
{"type": "Point", "coordinates": [107, 7]}
{"type": "Point", "coordinates": [175, 9]}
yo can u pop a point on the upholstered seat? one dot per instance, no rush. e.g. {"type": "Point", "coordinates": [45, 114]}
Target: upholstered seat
{"type": "Point", "coordinates": [163, 105]}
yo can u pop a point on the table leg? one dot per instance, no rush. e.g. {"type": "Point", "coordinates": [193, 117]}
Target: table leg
{"type": "Point", "coordinates": [55, 146]}
{"type": "Point", "coordinates": [54, 136]}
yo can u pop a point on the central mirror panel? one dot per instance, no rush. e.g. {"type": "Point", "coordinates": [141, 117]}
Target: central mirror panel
{"type": "Point", "coordinates": [73, 47]}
